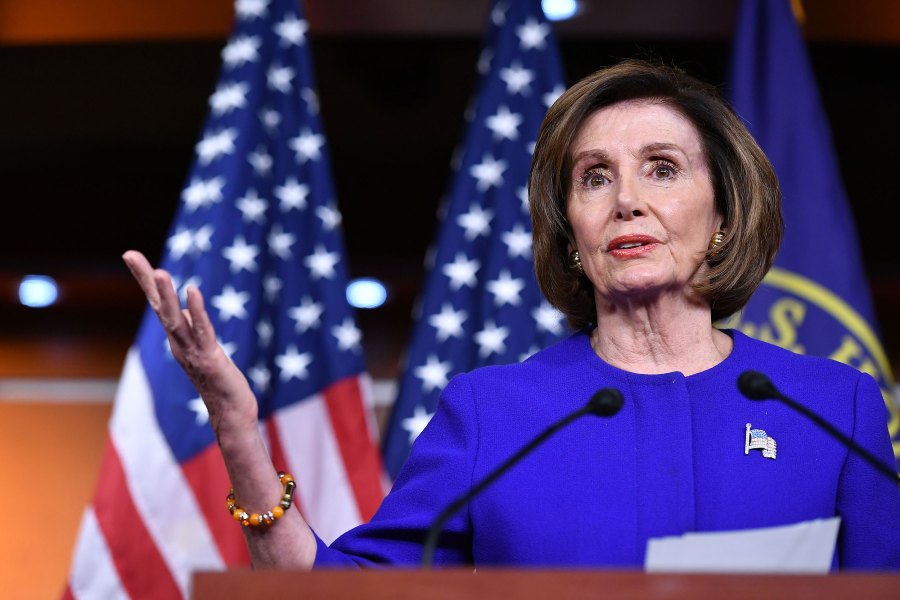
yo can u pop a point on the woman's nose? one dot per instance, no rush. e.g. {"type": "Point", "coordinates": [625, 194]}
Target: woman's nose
{"type": "Point", "coordinates": [628, 202]}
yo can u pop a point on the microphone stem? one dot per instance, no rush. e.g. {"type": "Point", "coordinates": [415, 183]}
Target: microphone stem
{"type": "Point", "coordinates": [869, 457]}
{"type": "Point", "coordinates": [438, 526]}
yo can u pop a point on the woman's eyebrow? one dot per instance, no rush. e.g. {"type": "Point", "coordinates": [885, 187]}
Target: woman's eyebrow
{"type": "Point", "coordinates": [594, 155]}
{"type": "Point", "coordinates": [661, 146]}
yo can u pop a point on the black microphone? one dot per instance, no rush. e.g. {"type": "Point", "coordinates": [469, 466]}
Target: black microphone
{"type": "Point", "coordinates": [604, 403]}
{"type": "Point", "coordinates": [757, 386]}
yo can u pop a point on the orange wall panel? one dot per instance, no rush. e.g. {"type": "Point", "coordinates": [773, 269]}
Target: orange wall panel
{"type": "Point", "coordinates": [85, 21]}
{"type": "Point", "coordinates": [49, 461]}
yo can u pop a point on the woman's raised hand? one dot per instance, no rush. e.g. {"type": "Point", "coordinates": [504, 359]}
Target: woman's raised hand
{"type": "Point", "coordinates": [223, 388]}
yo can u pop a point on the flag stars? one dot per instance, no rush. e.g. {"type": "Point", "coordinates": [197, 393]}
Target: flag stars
{"type": "Point", "coordinates": [506, 289]}
{"type": "Point", "coordinates": [504, 124]}
{"type": "Point", "coordinates": [448, 322]}
{"type": "Point", "coordinates": [184, 241]}
{"type": "Point", "coordinates": [522, 195]}
{"type": "Point", "coordinates": [272, 285]}
{"type": "Point", "coordinates": [181, 289]}
{"type": "Point", "coordinates": [230, 304]}
{"type": "Point", "coordinates": [476, 222]}
{"type": "Point", "coordinates": [279, 78]}
{"type": "Point", "coordinates": [527, 354]}
{"type": "Point", "coordinates": [240, 51]}
{"type": "Point", "coordinates": [241, 256]}
{"type": "Point", "coordinates": [321, 263]}
{"type": "Point", "coordinates": [201, 193]}
{"type": "Point", "coordinates": [201, 414]}
{"type": "Point", "coordinates": [547, 318]}
{"type": "Point", "coordinates": [215, 145]}
{"type": "Point", "coordinates": [498, 14]}
{"type": "Point", "coordinates": [228, 97]}
{"type": "Point", "coordinates": [261, 161]}
{"type": "Point", "coordinates": [461, 272]}
{"type": "Point", "coordinates": [348, 335]}
{"type": "Point", "coordinates": [416, 424]}
{"type": "Point", "coordinates": [309, 96]}
{"type": "Point", "coordinates": [292, 194]}
{"type": "Point", "coordinates": [518, 79]}
{"type": "Point", "coordinates": [306, 314]}
{"type": "Point", "coordinates": [518, 242]}
{"type": "Point", "coordinates": [307, 146]}
{"type": "Point", "coordinates": [330, 217]}
{"type": "Point", "coordinates": [434, 373]}
{"type": "Point", "coordinates": [550, 97]}
{"type": "Point", "coordinates": [484, 61]}
{"type": "Point", "coordinates": [248, 10]}
{"type": "Point", "coordinates": [264, 332]}
{"type": "Point", "coordinates": [491, 339]}
{"type": "Point", "coordinates": [270, 120]}
{"type": "Point", "coordinates": [229, 348]}
{"type": "Point", "coordinates": [533, 34]}
{"type": "Point", "coordinates": [203, 239]}
{"type": "Point", "coordinates": [293, 364]}
{"type": "Point", "coordinates": [180, 243]}
{"type": "Point", "coordinates": [280, 242]}
{"type": "Point", "coordinates": [291, 31]}
{"type": "Point", "coordinates": [489, 172]}
{"type": "Point", "coordinates": [260, 376]}
{"type": "Point", "coordinates": [252, 207]}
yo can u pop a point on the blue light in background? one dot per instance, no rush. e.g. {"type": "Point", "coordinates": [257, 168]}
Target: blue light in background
{"type": "Point", "coordinates": [559, 10]}
{"type": "Point", "coordinates": [366, 292]}
{"type": "Point", "coordinates": [38, 291]}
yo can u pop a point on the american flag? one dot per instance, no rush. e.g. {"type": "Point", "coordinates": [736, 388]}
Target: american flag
{"type": "Point", "coordinates": [758, 439]}
{"type": "Point", "coordinates": [258, 231]}
{"type": "Point", "coordinates": [481, 304]}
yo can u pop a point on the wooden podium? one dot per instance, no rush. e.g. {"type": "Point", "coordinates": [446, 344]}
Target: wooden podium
{"type": "Point", "coordinates": [523, 584]}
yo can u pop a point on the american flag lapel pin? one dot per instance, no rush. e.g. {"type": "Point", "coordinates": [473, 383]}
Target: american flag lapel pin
{"type": "Point", "coordinates": [758, 439]}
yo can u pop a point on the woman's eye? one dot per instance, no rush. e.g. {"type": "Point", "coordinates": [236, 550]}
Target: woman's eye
{"type": "Point", "coordinates": [664, 170]}
{"type": "Point", "coordinates": [594, 178]}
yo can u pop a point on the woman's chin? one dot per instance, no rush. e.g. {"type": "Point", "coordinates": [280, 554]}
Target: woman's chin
{"type": "Point", "coordinates": [639, 284]}
{"type": "Point", "coordinates": [644, 289]}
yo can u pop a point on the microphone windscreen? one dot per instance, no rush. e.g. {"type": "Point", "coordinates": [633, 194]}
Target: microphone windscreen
{"type": "Point", "coordinates": [606, 402]}
{"type": "Point", "coordinates": [756, 386]}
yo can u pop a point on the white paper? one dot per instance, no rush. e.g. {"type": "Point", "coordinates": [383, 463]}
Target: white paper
{"type": "Point", "coordinates": [806, 547]}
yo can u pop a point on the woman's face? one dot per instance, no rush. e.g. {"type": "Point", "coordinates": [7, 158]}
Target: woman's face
{"type": "Point", "coordinates": [641, 204]}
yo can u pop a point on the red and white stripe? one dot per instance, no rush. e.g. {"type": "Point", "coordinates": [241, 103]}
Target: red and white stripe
{"type": "Point", "coordinates": [153, 522]}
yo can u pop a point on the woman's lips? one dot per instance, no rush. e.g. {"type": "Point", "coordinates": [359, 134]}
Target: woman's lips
{"type": "Point", "coordinates": [630, 246]}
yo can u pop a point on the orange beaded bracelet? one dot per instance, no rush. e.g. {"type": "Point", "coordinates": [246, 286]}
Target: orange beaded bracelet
{"type": "Point", "coordinates": [265, 519]}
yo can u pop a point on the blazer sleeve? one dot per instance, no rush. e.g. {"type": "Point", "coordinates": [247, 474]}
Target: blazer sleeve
{"type": "Point", "coordinates": [439, 470]}
{"type": "Point", "coordinates": [867, 501]}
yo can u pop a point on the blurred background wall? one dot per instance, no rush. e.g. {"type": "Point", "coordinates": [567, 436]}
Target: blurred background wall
{"type": "Point", "coordinates": [101, 106]}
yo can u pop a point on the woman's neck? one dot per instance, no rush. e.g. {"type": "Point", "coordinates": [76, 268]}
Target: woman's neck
{"type": "Point", "coordinates": [659, 338]}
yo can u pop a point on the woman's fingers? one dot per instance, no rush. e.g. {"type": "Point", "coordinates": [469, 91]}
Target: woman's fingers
{"type": "Point", "coordinates": [169, 312]}
{"type": "Point", "coordinates": [204, 333]}
{"type": "Point", "coordinates": [143, 273]}
{"type": "Point", "coordinates": [192, 337]}
{"type": "Point", "coordinates": [160, 292]}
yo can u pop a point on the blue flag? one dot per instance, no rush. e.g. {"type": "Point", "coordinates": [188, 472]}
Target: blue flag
{"type": "Point", "coordinates": [816, 298]}
{"type": "Point", "coordinates": [258, 232]}
{"type": "Point", "coordinates": [481, 303]}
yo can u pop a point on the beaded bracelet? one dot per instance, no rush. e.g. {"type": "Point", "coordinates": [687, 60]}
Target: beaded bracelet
{"type": "Point", "coordinates": [265, 519]}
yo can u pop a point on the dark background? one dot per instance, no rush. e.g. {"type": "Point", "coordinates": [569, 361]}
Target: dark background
{"type": "Point", "coordinates": [96, 140]}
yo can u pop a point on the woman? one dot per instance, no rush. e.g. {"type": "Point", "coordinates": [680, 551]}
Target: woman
{"type": "Point", "coordinates": [655, 214]}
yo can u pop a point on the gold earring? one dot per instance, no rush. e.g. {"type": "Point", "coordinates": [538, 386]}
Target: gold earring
{"type": "Point", "coordinates": [715, 243]}
{"type": "Point", "coordinates": [575, 262]}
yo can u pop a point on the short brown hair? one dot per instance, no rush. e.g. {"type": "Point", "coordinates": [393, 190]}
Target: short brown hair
{"type": "Point", "coordinates": [746, 189]}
